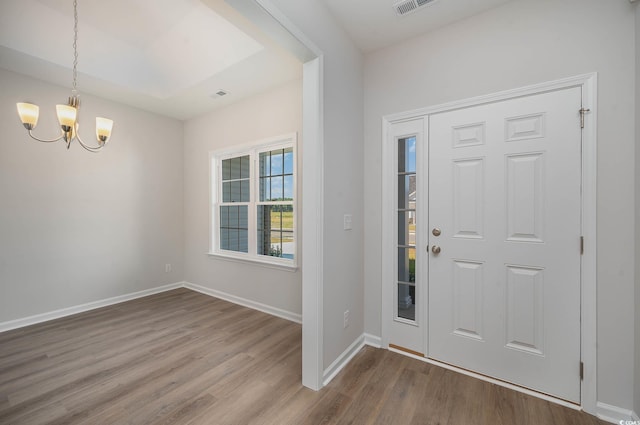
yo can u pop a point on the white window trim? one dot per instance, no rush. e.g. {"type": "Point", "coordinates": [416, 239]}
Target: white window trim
{"type": "Point", "coordinates": [215, 177]}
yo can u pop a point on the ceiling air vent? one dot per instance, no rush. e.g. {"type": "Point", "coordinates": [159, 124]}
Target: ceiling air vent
{"type": "Point", "coordinates": [408, 6]}
{"type": "Point", "coordinates": [219, 93]}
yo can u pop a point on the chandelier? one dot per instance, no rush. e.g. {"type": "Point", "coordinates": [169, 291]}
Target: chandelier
{"type": "Point", "coordinates": [67, 114]}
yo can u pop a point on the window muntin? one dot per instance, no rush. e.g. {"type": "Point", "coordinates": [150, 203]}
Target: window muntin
{"type": "Point", "coordinates": [254, 203]}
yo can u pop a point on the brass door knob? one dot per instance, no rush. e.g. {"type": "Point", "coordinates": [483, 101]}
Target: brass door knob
{"type": "Point", "coordinates": [435, 249]}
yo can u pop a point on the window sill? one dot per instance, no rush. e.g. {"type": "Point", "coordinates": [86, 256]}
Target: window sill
{"type": "Point", "coordinates": [255, 261]}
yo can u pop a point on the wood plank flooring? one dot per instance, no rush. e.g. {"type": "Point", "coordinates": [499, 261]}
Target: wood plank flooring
{"type": "Point", "coordinates": [181, 357]}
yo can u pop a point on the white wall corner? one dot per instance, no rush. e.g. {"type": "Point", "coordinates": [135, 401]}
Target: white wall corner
{"type": "Point", "coordinates": [57, 314]}
{"type": "Point", "coordinates": [343, 359]}
{"type": "Point", "coordinates": [372, 340]}
{"type": "Point", "coordinates": [274, 311]}
{"type": "Point", "coordinates": [615, 414]}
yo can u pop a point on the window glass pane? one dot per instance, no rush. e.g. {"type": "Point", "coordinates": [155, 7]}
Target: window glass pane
{"type": "Point", "coordinates": [233, 217]}
{"type": "Point", "coordinates": [243, 240]}
{"type": "Point", "coordinates": [277, 188]}
{"type": "Point", "coordinates": [234, 228]}
{"type": "Point", "coordinates": [407, 265]}
{"type": "Point", "coordinates": [275, 249]}
{"type": "Point", "coordinates": [288, 161]}
{"type": "Point", "coordinates": [245, 167]}
{"type": "Point", "coordinates": [287, 245]}
{"type": "Point", "coordinates": [233, 239]}
{"type": "Point", "coordinates": [277, 162]}
{"type": "Point", "coordinates": [407, 155]}
{"type": "Point", "coordinates": [407, 191]}
{"type": "Point", "coordinates": [265, 164]}
{"type": "Point", "coordinates": [226, 192]}
{"type": "Point", "coordinates": [243, 219]}
{"type": "Point", "coordinates": [265, 188]}
{"type": "Point", "coordinates": [235, 168]}
{"type": "Point", "coordinates": [275, 231]}
{"type": "Point", "coordinates": [407, 228]}
{"type": "Point", "coordinates": [264, 229]}
{"type": "Point", "coordinates": [224, 238]}
{"type": "Point", "coordinates": [244, 190]}
{"type": "Point", "coordinates": [406, 301]}
{"type": "Point", "coordinates": [235, 191]}
{"type": "Point", "coordinates": [226, 169]}
{"type": "Point", "coordinates": [287, 217]}
{"type": "Point", "coordinates": [288, 187]}
{"type": "Point", "coordinates": [224, 216]}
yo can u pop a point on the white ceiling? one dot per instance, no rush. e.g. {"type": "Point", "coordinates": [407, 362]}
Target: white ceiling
{"type": "Point", "coordinates": [172, 56]}
{"type": "Point", "coordinates": [373, 24]}
{"type": "Point", "coordinates": [166, 56]}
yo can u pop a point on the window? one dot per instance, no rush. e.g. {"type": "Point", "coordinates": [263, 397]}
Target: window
{"type": "Point", "coordinates": [254, 202]}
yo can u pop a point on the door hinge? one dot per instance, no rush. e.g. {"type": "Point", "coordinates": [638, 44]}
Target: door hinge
{"type": "Point", "coordinates": [582, 112]}
{"type": "Point", "coordinates": [581, 371]}
{"type": "Point", "coordinates": [581, 245]}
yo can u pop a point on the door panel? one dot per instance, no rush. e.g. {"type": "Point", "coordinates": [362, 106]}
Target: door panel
{"type": "Point", "coordinates": [504, 290]}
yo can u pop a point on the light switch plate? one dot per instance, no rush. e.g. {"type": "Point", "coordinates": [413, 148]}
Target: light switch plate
{"type": "Point", "coordinates": [347, 222]}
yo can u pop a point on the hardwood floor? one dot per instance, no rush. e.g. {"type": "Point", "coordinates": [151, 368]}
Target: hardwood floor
{"type": "Point", "coordinates": [181, 357]}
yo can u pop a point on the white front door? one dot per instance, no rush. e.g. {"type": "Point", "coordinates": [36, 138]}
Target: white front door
{"type": "Point", "coordinates": [504, 240]}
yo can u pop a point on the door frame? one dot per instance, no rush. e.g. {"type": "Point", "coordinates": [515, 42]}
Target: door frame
{"type": "Point", "coordinates": [265, 15]}
{"type": "Point", "coordinates": [588, 302]}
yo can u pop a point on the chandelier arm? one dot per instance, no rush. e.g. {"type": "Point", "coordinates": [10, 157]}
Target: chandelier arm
{"type": "Point", "coordinates": [87, 147]}
{"type": "Point", "coordinates": [45, 140]}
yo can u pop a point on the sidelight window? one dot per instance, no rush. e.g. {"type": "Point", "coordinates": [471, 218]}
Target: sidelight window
{"type": "Point", "coordinates": [406, 219]}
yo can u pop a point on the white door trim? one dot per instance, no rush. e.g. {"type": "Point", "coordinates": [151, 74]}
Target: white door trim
{"type": "Point", "coordinates": [272, 21]}
{"type": "Point", "coordinates": [588, 85]}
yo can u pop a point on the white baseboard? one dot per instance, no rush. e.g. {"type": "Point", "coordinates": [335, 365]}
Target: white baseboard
{"type": "Point", "coordinates": [342, 360]}
{"type": "Point", "coordinates": [372, 340]}
{"type": "Point", "coordinates": [294, 317]}
{"type": "Point", "coordinates": [615, 414]}
{"type": "Point", "coordinates": [57, 314]}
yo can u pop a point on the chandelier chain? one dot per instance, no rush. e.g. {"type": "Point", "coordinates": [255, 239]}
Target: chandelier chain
{"type": "Point", "coordinates": [75, 46]}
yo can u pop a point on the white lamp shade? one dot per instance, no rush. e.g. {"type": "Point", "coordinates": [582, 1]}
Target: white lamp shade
{"type": "Point", "coordinates": [103, 128]}
{"type": "Point", "coordinates": [66, 115]}
{"type": "Point", "coordinates": [28, 113]}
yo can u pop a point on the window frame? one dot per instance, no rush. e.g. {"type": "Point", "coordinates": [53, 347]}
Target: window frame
{"type": "Point", "coordinates": [216, 201]}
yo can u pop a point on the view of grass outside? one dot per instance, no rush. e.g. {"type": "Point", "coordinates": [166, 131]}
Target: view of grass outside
{"type": "Point", "coordinates": [287, 223]}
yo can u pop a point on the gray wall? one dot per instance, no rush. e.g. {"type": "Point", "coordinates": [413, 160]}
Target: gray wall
{"type": "Point", "coordinates": [343, 172]}
{"type": "Point", "coordinates": [76, 226]}
{"type": "Point", "coordinates": [521, 43]}
{"type": "Point", "coordinates": [273, 113]}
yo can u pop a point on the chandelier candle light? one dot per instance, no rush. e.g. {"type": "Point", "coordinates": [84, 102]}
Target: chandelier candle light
{"type": "Point", "coordinates": [67, 114]}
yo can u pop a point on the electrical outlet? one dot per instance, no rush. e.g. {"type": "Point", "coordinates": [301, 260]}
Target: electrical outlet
{"type": "Point", "coordinates": [167, 268]}
{"type": "Point", "coordinates": [346, 318]}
